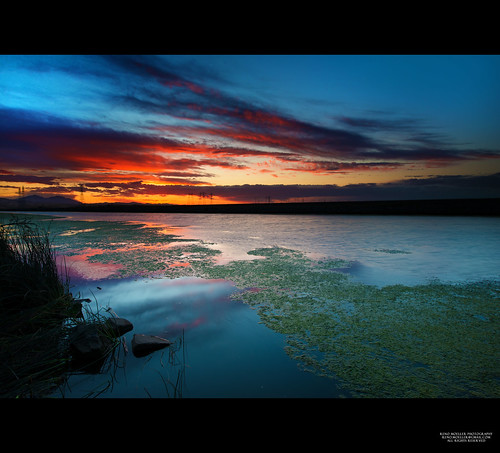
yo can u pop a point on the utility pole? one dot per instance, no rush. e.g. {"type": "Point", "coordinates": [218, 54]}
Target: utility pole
{"type": "Point", "coordinates": [81, 191]}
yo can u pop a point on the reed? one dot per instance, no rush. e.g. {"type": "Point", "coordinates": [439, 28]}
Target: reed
{"type": "Point", "coordinates": [36, 309]}
{"type": "Point", "coordinates": [28, 272]}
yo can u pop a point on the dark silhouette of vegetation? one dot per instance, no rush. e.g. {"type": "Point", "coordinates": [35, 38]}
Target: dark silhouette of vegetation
{"type": "Point", "coordinates": [37, 313]}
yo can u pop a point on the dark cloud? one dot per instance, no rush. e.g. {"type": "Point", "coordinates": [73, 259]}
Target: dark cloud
{"type": "Point", "coordinates": [151, 84]}
{"type": "Point", "coordinates": [456, 186]}
{"type": "Point", "coordinates": [459, 186]}
{"type": "Point", "coordinates": [47, 142]}
{"type": "Point", "coordinates": [380, 124]}
{"type": "Point", "coordinates": [150, 66]}
{"type": "Point", "coordinates": [49, 180]}
{"type": "Point", "coordinates": [313, 166]}
{"type": "Point", "coordinates": [253, 124]}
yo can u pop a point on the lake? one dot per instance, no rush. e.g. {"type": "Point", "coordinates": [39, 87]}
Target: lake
{"type": "Point", "coordinates": [290, 306]}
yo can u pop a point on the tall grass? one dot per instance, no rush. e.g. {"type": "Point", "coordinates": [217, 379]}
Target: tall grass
{"type": "Point", "coordinates": [35, 305]}
{"type": "Point", "coordinates": [29, 276]}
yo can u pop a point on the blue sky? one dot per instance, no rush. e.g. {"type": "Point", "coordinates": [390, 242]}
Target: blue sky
{"type": "Point", "coordinates": [246, 127]}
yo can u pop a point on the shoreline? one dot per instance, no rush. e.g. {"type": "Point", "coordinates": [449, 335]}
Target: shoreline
{"type": "Point", "coordinates": [489, 207]}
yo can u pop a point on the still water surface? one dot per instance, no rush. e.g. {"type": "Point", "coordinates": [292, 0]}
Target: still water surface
{"type": "Point", "coordinates": [225, 350]}
{"type": "Point", "coordinates": [448, 248]}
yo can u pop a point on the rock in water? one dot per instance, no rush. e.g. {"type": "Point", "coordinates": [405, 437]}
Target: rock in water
{"type": "Point", "coordinates": [86, 341]}
{"type": "Point", "coordinates": [145, 344]}
{"type": "Point", "coordinates": [118, 326]}
{"type": "Point", "coordinates": [89, 348]}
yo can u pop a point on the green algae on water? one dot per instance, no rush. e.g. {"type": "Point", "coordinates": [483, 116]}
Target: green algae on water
{"type": "Point", "coordinates": [140, 250]}
{"type": "Point", "coordinates": [174, 261]}
{"type": "Point", "coordinates": [430, 340]}
{"type": "Point", "coordinates": [137, 249]}
{"type": "Point", "coordinates": [393, 251]}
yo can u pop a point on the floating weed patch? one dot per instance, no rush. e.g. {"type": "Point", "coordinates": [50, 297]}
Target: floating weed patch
{"type": "Point", "coordinates": [134, 248]}
{"type": "Point", "coordinates": [432, 340]}
{"type": "Point", "coordinates": [392, 252]}
{"type": "Point", "coordinates": [106, 235]}
{"type": "Point", "coordinates": [72, 232]}
{"type": "Point", "coordinates": [172, 262]}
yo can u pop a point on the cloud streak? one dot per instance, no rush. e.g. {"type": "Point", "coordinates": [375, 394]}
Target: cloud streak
{"type": "Point", "coordinates": [171, 125]}
{"type": "Point", "coordinates": [454, 186]}
{"type": "Point", "coordinates": [227, 117]}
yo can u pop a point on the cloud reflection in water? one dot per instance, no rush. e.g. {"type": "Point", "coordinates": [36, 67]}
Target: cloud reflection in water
{"type": "Point", "coordinates": [164, 306]}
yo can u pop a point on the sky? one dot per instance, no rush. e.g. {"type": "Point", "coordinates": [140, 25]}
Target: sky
{"type": "Point", "coordinates": [197, 129]}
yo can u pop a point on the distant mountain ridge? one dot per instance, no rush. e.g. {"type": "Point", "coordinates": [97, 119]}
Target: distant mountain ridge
{"type": "Point", "coordinates": [460, 207]}
{"type": "Point", "coordinates": [38, 202]}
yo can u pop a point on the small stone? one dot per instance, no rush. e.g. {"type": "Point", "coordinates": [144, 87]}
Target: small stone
{"type": "Point", "coordinates": [145, 344]}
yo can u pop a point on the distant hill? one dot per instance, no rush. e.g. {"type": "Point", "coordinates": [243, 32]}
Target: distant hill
{"type": "Point", "coordinates": [37, 202]}
{"type": "Point", "coordinates": [460, 207]}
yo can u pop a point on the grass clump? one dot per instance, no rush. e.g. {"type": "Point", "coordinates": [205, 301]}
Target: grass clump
{"type": "Point", "coordinates": [28, 272]}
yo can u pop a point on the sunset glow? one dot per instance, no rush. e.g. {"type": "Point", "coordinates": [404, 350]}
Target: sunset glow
{"type": "Point", "coordinates": [187, 129]}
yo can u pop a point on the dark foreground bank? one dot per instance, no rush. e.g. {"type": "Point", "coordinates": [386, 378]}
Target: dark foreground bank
{"type": "Point", "coordinates": [40, 321]}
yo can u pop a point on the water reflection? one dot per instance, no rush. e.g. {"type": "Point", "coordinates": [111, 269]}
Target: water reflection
{"type": "Point", "coordinates": [78, 267]}
{"type": "Point", "coordinates": [167, 308]}
{"type": "Point", "coordinates": [454, 249]}
{"type": "Point", "coordinates": [163, 306]}
{"type": "Point", "coordinates": [228, 352]}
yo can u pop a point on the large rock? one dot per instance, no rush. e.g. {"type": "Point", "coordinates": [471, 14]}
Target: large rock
{"type": "Point", "coordinates": [86, 340]}
{"type": "Point", "coordinates": [145, 344]}
{"type": "Point", "coordinates": [117, 326]}
{"type": "Point", "coordinates": [94, 338]}
{"type": "Point", "coordinates": [89, 348]}
{"type": "Point", "coordinates": [90, 343]}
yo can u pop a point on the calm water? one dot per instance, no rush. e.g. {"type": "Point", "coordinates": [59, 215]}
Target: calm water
{"type": "Point", "coordinates": [226, 351]}
{"type": "Point", "coordinates": [448, 248]}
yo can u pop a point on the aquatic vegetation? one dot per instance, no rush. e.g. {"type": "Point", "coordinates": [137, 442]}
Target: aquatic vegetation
{"type": "Point", "coordinates": [105, 235]}
{"type": "Point", "coordinates": [432, 340]}
{"type": "Point", "coordinates": [174, 261]}
{"type": "Point", "coordinates": [392, 252]}
{"type": "Point", "coordinates": [136, 249]}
